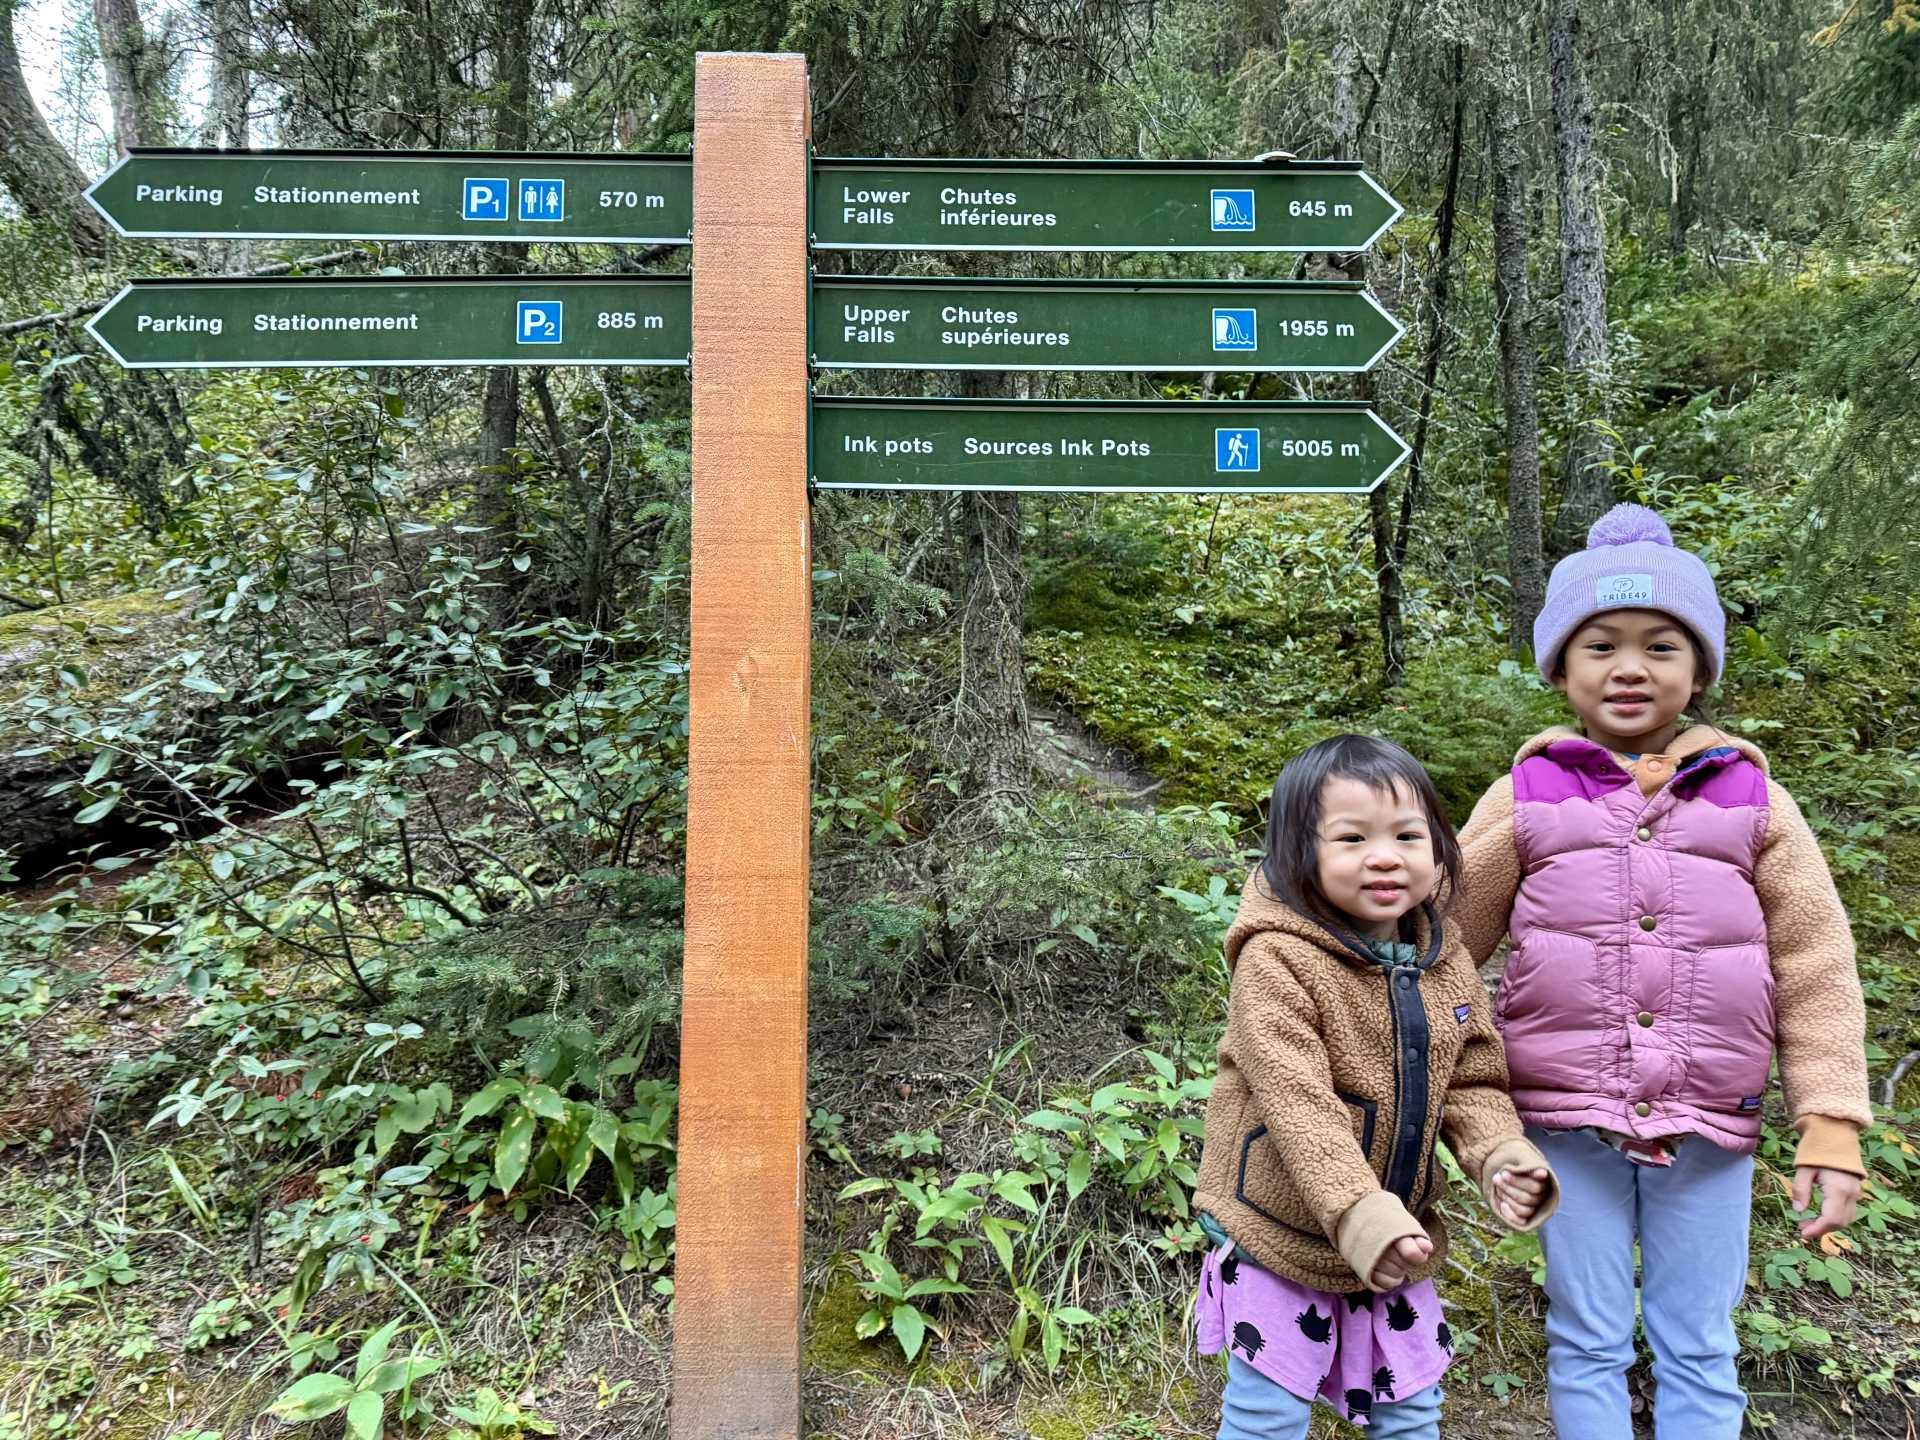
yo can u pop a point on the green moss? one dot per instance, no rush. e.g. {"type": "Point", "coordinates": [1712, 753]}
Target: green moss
{"type": "Point", "coordinates": [1074, 1416]}
{"type": "Point", "coordinates": [831, 1345]}
{"type": "Point", "coordinates": [113, 641]}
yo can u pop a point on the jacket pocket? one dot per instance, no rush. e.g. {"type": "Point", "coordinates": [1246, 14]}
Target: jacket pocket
{"type": "Point", "coordinates": [1730, 1027]}
{"type": "Point", "coordinates": [1545, 970]}
{"type": "Point", "coordinates": [1551, 1010]}
{"type": "Point", "coordinates": [1366, 1114]}
{"type": "Point", "coordinates": [1262, 1185]}
{"type": "Point", "coordinates": [1424, 1196]}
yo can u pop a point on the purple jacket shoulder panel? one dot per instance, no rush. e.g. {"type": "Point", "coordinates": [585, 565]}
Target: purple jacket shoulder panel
{"type": "Point", "coordinates": [1638, 994]}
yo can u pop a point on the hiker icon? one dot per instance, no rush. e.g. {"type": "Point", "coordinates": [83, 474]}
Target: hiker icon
{"type": "Point", "coordinates": [1236, 448]}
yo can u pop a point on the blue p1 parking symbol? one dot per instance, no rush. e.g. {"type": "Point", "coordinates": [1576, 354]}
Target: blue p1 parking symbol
{"type": "Point", "coordinates": [483, 198]}
{"type": "Point", "coordinates": [537, 322]}
{"type": "Point", "coordinates": [543, 199]}
{"type": "Point", "coordinates": [1236, 450]}
{"type": "Point", "coordinates": [1236, 330]}
{"type": "Point", "coordinates": [1232, 209]}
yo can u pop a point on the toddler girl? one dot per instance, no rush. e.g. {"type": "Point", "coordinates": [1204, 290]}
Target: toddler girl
{"type": "Point", "coordinates": [1357, 1035]}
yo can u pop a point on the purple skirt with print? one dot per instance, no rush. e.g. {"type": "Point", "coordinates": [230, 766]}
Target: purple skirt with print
{"type": "Point", "coordinates": [1351, 1351]}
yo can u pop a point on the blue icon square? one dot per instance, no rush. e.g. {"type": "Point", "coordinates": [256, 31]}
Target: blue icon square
{"type": "Point", "coordinates": [1232, 210]}
{"type": "Point", "coordinates": [537, 322]}
{"type": "Point", "coordinates": [1236, 450]}
{"type": "Point", "coordinates": [543, 199]}
{"type": "Point", "coordinates": [483, 199]}
{"type": "Point", "coordinates": [1236, 330]}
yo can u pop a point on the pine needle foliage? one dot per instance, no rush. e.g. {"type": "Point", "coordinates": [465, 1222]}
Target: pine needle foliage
{"type": "Point", "coordinates": [1857, 510]}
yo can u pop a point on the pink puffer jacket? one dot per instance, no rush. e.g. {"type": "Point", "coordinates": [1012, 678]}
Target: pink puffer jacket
{"type": "Point", "coordinates": [1639, 995]}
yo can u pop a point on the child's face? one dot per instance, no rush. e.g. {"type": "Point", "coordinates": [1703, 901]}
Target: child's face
{"type": "Point", "coordinates": [1628, 675]}
{"type": "Point", "coordinates": [1376, 853]}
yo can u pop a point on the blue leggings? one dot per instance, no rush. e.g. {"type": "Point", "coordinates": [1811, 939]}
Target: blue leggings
{"type": "Point", "coordinates": [1254, 1408]}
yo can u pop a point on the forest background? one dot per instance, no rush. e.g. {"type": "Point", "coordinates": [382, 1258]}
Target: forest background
{"type": "Point", "coordinates": [343, 712]}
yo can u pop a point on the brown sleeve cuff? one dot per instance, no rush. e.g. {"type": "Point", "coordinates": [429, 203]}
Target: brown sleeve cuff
{"type": "Point", "coordinates": [1829, 1144]}
{"type": "Point", "coordinates": [1371, 1224]}
{"type": "Point", "coordinates": [1520, 1155]}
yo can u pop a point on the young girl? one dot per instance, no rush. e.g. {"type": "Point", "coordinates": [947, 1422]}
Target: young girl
{"type": "Point", "coordinates": [1673, 922]}
{"type": "Point", "coordinates": [1358, 1034]}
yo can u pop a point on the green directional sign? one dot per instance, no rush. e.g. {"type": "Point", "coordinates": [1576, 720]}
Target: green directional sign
{"type": "Point", "coordinates": [1100, 445]}
{"type": "Point", "coordinates": [509, 320]}
{"type": "Point", "coordinates": [889, 204]}
{"type": "Point", "coordinates": [402, 195]}
{"type": "Point", "coordinates": [1097, 325]}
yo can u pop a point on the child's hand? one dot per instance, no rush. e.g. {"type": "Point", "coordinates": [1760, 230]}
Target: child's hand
{"type": "Point", "coordinates": [1839, 1194]}
{"type": "Point", "coordinates": [1405, 1253]}
{"type": "Point", "coordinates": [1517, 1194]}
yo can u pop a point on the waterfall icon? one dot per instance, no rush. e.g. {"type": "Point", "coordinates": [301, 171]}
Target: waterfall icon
{"type": "Point", "coordinates": [1232, 210]}
{"type": "Point", "coordinates": [1235, 330]}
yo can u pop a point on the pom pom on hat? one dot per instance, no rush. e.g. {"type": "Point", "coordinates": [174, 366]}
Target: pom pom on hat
{"type": "Point", "coordinates": [1625, 524]}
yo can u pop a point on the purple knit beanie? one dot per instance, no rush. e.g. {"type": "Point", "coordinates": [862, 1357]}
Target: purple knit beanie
{"type": "Point", "coordinates": [1630, 563]}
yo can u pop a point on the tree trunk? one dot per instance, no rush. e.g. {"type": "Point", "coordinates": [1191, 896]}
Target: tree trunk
{"type": "Point", "coordinates": [132, 69]}
{"type": "Point", "coordinates": [34, 166]}
{"type": "Point", "coordinates": [1519, 360]}
{"type": "Point", "coordinates": [1440, 299]}
{"type": "Point", "coordinates": [512, 44]}
{"type": "Point", "coordinates": [993, 696]}
{"type": "Point", "coordinates": [233, 73]}
{"type": "Point", "coordinates": [1586, 479]}
{"type": "Point", "coordinates": [1349, 112]}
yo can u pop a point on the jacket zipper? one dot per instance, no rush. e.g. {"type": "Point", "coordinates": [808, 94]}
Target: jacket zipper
{"type": "Point", "coordinates": [1411, 1080]}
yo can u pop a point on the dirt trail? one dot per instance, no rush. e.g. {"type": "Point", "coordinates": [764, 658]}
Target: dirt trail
{"type": "Point", "coordinates": [1068, 753]}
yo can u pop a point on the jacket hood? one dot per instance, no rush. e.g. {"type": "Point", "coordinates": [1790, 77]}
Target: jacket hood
{"type": "Point", "coordinates": [1264, 913]}
{"type": "Point", "coordinates": [1690, 741]}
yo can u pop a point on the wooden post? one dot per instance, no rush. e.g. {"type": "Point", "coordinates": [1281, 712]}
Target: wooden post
{"type": "Point", "coordinates": [743, 1048]}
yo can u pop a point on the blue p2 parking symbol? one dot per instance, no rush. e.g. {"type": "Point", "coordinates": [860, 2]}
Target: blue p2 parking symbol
{"type": "Point", "coordinates": [537, 322]}
{"type": "Point", "coordinates": [1236, 450]}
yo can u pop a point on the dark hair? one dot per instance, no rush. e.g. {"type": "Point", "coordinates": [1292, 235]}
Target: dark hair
{"type": "Point", "coordinates": [1292, 862]}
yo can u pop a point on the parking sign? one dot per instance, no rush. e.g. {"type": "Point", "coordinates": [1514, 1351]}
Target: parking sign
{"type": "Point", "coordinates": [483, 198]}
{"type": "Point", "coordinates": [537, 322]}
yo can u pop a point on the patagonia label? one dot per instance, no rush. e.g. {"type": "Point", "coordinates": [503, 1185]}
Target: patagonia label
{"type": "Point", "coordinates": [1752, 1102]}
{"type": "Point", "coordinates": [1461, 1012]}
{"type": "Point", "coordinates": [1623, 590]}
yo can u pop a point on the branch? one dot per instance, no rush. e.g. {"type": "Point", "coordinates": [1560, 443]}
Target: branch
{"type": "Point", "coordinates": [373, 885]}
{"type": "Point", "coordinates": [283, 267]}
{"type": "Point", "coordinates": [1891, 1085]}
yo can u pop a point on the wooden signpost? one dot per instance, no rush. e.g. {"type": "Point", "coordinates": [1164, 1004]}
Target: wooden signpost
{"type": "Point", "coordinates": [743, 1031]}
{"type": "Point", "coordinates": [754, 325]}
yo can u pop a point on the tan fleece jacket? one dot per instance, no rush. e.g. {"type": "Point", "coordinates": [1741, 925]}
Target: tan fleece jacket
{"type": "Point", "coordinates": [1820, 1015]}
{"type": "Point", "coordinates": [1314, 1108]}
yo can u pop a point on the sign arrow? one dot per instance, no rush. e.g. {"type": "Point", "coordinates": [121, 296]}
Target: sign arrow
{"type": "Point", "coordinates": [1002, 324]}
{"type": "Point", "coordinates": [337, 320]}
{"type": "Point", "coordinates": [891, 204]}
{"type": "Point", "coordinates": [403, 195]}
{"type": "Point", "coordinates": [1106, 446]}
